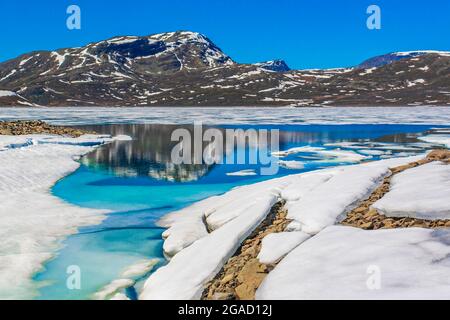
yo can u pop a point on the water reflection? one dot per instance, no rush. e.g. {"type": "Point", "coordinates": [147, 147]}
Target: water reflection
{"type": "Point", "coordinates": [149, 154]}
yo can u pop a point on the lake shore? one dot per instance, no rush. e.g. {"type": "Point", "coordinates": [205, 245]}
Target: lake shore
{"type": "Point", "coordinates": [33, 229]}
{"type": "Point", "coordinates": [242, 220]}
{"type": "Point", "coordinates": [25, 127]}
{"type": "Point", "coordinates": [236, 271]}
{"type": "Point", "coordinates": [242, 275]}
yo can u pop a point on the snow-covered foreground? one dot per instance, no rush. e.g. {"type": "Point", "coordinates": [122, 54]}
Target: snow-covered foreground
{"type": "Point", "coordinates": [422, 192]}
{"type": "Point", "coordinates": [349, 263]}
{"type": "Point", "coordinates": [181, 115]}
{"type": "Point", "coordinates": [276, 245]}
{"type": "Point", "coordinates": [202, 237]}
{"type": "Point", "coordinates": [32, 220]}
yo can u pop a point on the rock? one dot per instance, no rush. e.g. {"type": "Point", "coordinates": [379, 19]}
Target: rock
{"type": "Point", "coordinates": [250, 271]}
{"type": "Point", "coordinates": [245, 292]}
{"type": "Point", "coordinates": [36, 127]}
{"type": "Point", "coordinates": [222, 296]}
{"type": "Point", "coordinates": [439, 155]}
{"type": "Point", "coordinates": [367, 225]}
{"type": "Point", "coordinates": [250, 251]}
{"type": "Point", "coordinates": [388, 223]}
{"type": "Point", "coordinates": [372, 213]}
{"type": "Point", "coordinates": [228, 277]}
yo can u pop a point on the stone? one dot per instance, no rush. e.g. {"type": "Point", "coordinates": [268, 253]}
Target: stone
{"type": "Point", "coordinates": [228, 277]}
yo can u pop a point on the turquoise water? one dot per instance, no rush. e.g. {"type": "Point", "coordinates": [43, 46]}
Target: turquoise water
{"type": "Point", "coordinates": [128, 235]}
{"type": "Point", "coordinates": [137, 183]}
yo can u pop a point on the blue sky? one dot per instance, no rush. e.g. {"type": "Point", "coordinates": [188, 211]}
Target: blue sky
{"type": "Point", "coordinates": [305, 33]}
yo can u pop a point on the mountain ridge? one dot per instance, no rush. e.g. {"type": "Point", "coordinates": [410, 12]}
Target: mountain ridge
{"type": "Point", "coordinates": [185, 68]}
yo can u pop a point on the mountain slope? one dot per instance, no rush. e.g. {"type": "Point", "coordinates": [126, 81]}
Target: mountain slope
{"type": "Point", "coordinates": [385, 59]}
{"type": "Point", "coordinates": [187, 69]}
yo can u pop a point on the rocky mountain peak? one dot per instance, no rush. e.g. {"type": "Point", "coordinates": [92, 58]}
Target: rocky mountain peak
{"type": "Point", "coordinates": [274, 65]}
{"type": "Point", "coordinates": [181, 50]}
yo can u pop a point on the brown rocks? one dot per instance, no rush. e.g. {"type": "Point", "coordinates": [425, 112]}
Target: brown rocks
{"type": "Point", "coordinates": [20, 127]}
{"type": "Point", "coordinates": [368, 218]}
{"type": "Point", "coordinates": [243, 273]}
{"type": "Point", "coordinates": [439, 155]}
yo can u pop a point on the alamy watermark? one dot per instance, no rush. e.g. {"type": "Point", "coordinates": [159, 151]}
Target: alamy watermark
{"type": "Point", "coordinates": [374, 20]}
{"type": "Point", "coordinates": [229, 146]}
{"type": "Point", "coordinates": [73, 21]}
{"type": "Point", "coordinates": [373, 282]}
{"type": "Point", "coordinates": [73, 281]}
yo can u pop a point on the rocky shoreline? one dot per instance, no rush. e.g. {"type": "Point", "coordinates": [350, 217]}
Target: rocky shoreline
{"type": "Point", "coordinates": [367, 218]}
{"type": "Point", "coordinates": [243, 273]}
{"type": "Point", "coordinates": [22, 127]}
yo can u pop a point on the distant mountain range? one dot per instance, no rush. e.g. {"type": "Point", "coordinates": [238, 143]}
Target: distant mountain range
{"type": "Point", "coordinates": [187, 69]}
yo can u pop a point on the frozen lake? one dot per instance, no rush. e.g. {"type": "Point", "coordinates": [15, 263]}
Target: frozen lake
{"type": "Point", "coordinates": [214, 115]}
{"type": "Point", "coordinates": [138, 183]}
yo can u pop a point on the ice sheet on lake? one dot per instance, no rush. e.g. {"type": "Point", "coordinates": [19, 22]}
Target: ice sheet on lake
{"type": "Point", "coordinates": [242, 173]}
{"type": "Point", "coordinates": [321, 154]}
{"type": "Point", "coordinates": [32, 220]}
{"type": "Point", "coordinates": [422, 192]}
{"type": "Point", "coordinates": [442, 139]}
{"type": "Point", "coordinates": [291, 164]}
{"type": "Point", "coordinates": [140, 268]}
{"type": "Point", "coordinates": [112, 290]}
{"type": "Point", "coordinates": [349, 263]}
{"type": "Point", "coordinates": [214, 115]}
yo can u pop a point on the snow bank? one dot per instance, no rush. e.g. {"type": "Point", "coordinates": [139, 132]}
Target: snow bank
{"type": "Point", "coordinates": [184, 227]}
{"type": "Point", "coordinates": [346, 263]}
{"type": "Point", "coordinates": [32, 220]}
{"type": "Point", "coordinates": [190, 269]}
{"type": "Point", "coordinates": [10, 142]}
{"type": "Point", "coordinates": [422, 192]}
{"type": "Point", "coordinates": [276, 245]}
{"type": "Point", "coordinates": [192, 223]}
{"type": "Point", "coordinates": [202, 237]}
{"type": "Point", "coordinates": [330, 193]}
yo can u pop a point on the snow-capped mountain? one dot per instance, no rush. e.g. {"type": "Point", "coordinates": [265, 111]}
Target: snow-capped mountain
{"type": "Point", "coordinates": [274, 65]}
{"type": "Point", "coordinates": [385, 59]}
{"type": "Point", "coordinates": [187, 69]}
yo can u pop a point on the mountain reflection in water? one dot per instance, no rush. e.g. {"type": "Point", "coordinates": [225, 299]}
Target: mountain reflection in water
{"type": "Point", "coordinates": [149, 153]}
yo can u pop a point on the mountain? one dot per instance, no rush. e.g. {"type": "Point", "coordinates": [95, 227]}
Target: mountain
{"type": "Point", "coordinates": [274, 65]}
{"type": "Point", "coordinates": [187, 69]}
{"type": "Point", "coordinates": [385, 59]}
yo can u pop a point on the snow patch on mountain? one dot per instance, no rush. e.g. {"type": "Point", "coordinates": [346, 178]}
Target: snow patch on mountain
{"type": "Point", "coordinates": [6, 93]}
